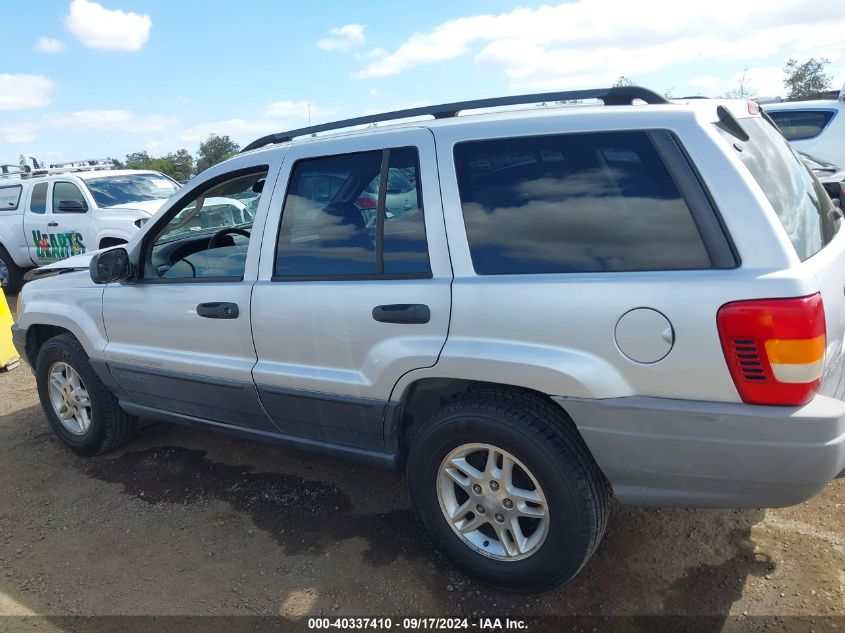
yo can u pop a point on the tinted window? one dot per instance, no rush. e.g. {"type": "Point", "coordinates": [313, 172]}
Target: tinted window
{"type": "Point", "coordinates": [801, 124]}
{"type": "Point", "coordinates": [38, 202]}
{"type": "Point", "coordinates": [209, 236]}
{"type": "Point", "coordinates": [574, 203]}
{"type": "Point", "coordinates": [66, 191]}
{"type": "Point", "coordinates": [800, 201]}
{"type": "Point", "coordinates": [9, 197]}
{"type": "Point", "coordinates": [330, 217]}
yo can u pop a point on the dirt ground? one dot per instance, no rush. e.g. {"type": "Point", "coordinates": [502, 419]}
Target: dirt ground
{"type": "Point", "coordinates": [189, 522]}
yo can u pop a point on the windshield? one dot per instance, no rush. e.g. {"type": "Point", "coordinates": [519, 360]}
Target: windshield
{"type": "Point", "coordinates": [111, 191]}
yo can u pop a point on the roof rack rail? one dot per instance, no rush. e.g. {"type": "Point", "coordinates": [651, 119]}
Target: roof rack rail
{"type": "Point", "coordinates": [618, 95]}
{"type": "Point", "coordinates": [23, 172]}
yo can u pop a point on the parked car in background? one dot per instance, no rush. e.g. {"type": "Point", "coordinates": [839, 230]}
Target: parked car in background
{"type": "Point", "coordinates": [831, 176]}
{"type": "Point", "coordinates": [642, 300]}
{"type": "Point", "coordinates": [48, 214]}
{"type": "Point", "coordinates": [815, 127]}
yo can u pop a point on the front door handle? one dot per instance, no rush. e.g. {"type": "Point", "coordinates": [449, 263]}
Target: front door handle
{"type": "Point", "coordinates": [218, 310]}
{"type": "Point", "coordinates": [402, 313]}
{"type": "Point", "coordinates": [52, 224]}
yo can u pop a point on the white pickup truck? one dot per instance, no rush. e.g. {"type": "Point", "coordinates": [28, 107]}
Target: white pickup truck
{"type": "Point", "coordinates": [49, 214]}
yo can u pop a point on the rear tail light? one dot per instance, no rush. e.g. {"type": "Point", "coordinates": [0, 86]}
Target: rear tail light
{"type": "Point", "coordinates": [366, 203]}
{"type": "Point", "coordinates": [774, 348]}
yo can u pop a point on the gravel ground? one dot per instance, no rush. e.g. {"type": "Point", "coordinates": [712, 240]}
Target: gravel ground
{"type": "Point", "coordinates": [188, 522]}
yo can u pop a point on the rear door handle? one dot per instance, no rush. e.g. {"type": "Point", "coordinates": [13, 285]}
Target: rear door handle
{"type": "Point", "coordinates": [52, 224]}
{"type": "Point", "coordinates": [218, 310]}
{"type": "Point", "coordinates": [402, 313]}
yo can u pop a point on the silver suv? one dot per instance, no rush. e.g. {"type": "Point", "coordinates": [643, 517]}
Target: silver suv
{"type": "Point", "coordinates": [642, 300]}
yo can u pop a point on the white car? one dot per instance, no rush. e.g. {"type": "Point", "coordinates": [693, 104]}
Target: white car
{"type": "Point", "coordinates": [49, 214]}
{"type": "Point", "coordinates": [814, 127]}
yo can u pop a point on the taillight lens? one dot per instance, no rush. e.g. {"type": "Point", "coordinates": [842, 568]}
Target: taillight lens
{"type": "Point", "coordinates": [366, 203]}
{"type": "Point", "coordinates": [774, 348]}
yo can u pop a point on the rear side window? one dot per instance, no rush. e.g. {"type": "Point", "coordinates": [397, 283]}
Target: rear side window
{"type": "Point", "coordinates": [38, 202]}
{"type": "Point", "coordinates": [330, 222]}
{"type": "Point", "coordinates": [797, 125]}
{"type": "Point", "coordinates": [572, 203]}
{"type": "Point", "coordinates": [9, 197]}
{"type": "Point", "coordinates": [801, 203]}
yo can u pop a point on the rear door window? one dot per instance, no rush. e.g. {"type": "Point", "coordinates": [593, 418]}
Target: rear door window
{"type": "Point", "coordinates": [593, 202]}
{"type": "Point", "coordinates": [38, 201]}
{"type": "Point", "coordinates": [797, 125]}
{"type": "Point", "coordinates": [9, 197]}
{"type": "Point", "coordinates": [800, 201]}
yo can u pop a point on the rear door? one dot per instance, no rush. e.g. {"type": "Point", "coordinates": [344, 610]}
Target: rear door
{"type": "Point", "coordinates": [348, 301]}
{"type": "Point", "coordinates": [812, 225]}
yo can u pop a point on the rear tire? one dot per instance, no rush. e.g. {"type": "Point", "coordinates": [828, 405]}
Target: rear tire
{"type": "Point", "coordinates": [563, 520]}
{"type": "Point", "coordinates": [11, 275]}
{"type": "Point", "coordinates": [66, 382]}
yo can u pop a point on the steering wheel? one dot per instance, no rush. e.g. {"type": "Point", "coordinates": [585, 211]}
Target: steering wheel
{"type": "Point", "coordinates": [212, 243]}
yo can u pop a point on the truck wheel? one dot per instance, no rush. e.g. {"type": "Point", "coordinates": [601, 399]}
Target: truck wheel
{"type": "Point", "coordinates": [80, 409]}
{"type": "Point", "coordinates": [11, 275]}
{"type": "Point", "coordinates": [506, 488]}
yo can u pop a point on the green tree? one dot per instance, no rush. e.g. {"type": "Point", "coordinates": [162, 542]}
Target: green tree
{"type": "Point", "coordinates": [138, 160]}
{"type": "Point", "coordinates": [214, 150]}
{"type": "Point", "coordinates": [807, 80]}
{"type": "Point", "coordinates": [183, 164]}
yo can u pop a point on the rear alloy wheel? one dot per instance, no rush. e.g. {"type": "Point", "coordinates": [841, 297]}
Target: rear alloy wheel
{"type": "Point", "coordinates": [507, 489]}
{"type": "Point", "coordinates": [493, 502]}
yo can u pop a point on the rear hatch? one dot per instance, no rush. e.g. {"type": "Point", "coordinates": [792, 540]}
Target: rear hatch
{"type": "Point", "coordinates": [810, 220]}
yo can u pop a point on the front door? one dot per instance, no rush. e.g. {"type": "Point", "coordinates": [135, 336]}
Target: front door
{"type": "Point", "coordinates": [36, 222]}
{"type": "Point", "coordinates": [69, 227]}
{"type": "Point", "coordinates": [180, 339]}
{"type": "Point", "coordinates": [349, 298]}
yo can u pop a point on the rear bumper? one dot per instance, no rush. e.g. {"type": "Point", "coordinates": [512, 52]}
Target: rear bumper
{"type": "Point", "coordinates": [19, 340]}
{"type": "Point", "coordinates": [663, 452]}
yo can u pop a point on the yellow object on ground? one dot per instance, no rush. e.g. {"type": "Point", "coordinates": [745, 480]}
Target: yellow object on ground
{"type": "Point", "coordinates": [9, 358]}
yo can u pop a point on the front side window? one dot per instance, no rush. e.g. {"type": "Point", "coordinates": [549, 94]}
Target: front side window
{"type": "Point", "coordinates": [112, 191]}
{"type": "Point", "coordinates": [330, 221]}
{"type": "Point", "coordinates": [571, 203]}
{"type": "Point", "coordinates": [209, 235]}
{"type": "Point", "coordinates": [10, 197]}
{"type": "Point", "coordinates": [67, 198]}
{"type": "Point", "coordinates": [38, 202]}
{"type": "Point", "coordinates": [797, 125]}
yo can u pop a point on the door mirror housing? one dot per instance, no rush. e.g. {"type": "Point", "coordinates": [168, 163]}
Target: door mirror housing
{"type": "Point", "coordinates": [111, 265]}
{"type": "Point", "coordinates": [72, 206]}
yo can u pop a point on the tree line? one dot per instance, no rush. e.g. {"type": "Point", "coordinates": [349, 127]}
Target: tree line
{"type": "Point", "coordinates": [181, 165]}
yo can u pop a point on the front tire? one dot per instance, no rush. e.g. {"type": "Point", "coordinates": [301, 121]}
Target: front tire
{"type": "Point", "coordinates": [82, 412]}
{"type": "Point", "coordinates": [11, 275]}
{"type": "Point", "coordinates": [506, 488]}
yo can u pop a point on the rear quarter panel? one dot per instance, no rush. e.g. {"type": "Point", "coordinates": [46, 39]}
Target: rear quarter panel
{"type": "Point", "coordinates": [555, 332]}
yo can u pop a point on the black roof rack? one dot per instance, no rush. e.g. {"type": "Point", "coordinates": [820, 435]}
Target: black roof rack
{"type": "Point", "coordinates": [619, 95]}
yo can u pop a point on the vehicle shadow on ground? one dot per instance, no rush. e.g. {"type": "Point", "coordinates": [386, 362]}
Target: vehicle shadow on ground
{"type": "Point", "coordinates": [652, 561]}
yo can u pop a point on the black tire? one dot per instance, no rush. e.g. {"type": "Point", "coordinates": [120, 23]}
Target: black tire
{"type": "Point", "coordinates": [539, 434]}
{"type": "Point", "coordinates": [111, 427]}
{"type": "Point", "coordinates": [15, 282]}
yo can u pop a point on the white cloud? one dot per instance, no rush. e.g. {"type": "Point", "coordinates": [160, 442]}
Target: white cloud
{"type": "Point", "coordinates": [20, 92]}
{"type": "Point", "coordinates": [102, 121]}
{"type": "Point", "coordinates": [373, 92]}
{"type": "Point", "coordinates": [49, 45]}
{"type": "Point", "coordinates": [98, 27]}
{"type": "Point", "coordinates": [562, 46]}
{"type": "Point", "coordinates": [344, 39]}
{"type": "Point", "coordinates": [293, 110]}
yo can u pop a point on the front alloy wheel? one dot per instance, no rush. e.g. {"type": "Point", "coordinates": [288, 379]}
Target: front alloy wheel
{"type": "Point", "coordinates": [70, 399]}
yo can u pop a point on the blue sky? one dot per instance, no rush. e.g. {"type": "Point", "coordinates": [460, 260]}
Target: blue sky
{"type": "Point", "coordinates": [80, 78]}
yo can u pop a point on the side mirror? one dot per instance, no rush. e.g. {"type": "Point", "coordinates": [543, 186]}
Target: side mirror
{"type": "Point", "coordinates": [109, 266]}
{"type": "Point", "coordinates": [72, 206]}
